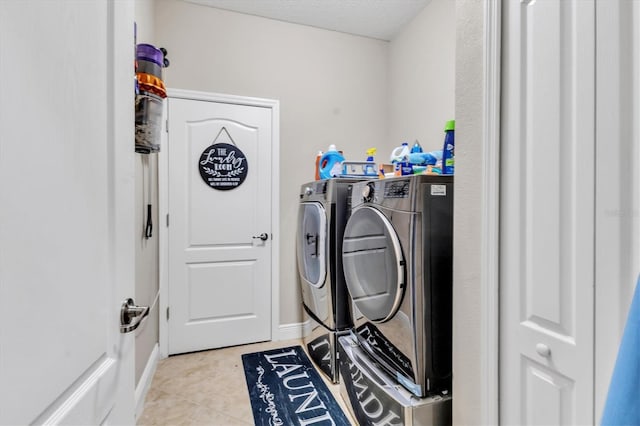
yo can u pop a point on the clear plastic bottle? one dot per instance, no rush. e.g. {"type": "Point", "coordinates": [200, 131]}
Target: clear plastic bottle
{"type": "Point", "coordinates": [399, 153]}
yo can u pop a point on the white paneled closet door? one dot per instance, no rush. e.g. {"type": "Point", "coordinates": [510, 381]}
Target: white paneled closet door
{"type": "Point", "coordinates": [547, 213]}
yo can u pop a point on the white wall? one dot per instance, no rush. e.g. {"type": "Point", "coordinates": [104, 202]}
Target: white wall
{"type": "Point", "coordinates": [422, 77]}
{"type": "Point", "coordinates": [145, 21]}
{"type": "Point", "coordinates": [332, 88]}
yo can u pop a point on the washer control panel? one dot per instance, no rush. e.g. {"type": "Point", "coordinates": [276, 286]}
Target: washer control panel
{"type": "Point", "coordinates": [318, 188]}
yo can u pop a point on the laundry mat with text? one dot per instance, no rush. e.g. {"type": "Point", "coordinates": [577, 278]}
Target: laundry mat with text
{"type": "Point", "coordinates": [285, 389]}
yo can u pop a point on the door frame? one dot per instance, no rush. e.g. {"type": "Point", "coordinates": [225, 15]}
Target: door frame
{"type": "Point", "coordinates": [163, 206]}
{"type": "Point", "coordinates": [490, 222]}
{"type": "Point", "coordinates": [478, 119]}
{"type": "Point", "coordinates": [617, 259]}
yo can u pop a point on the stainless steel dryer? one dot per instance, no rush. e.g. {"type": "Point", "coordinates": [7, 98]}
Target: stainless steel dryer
{"type": "Point", "coordinates": [322, 216]}
{"type": "Point", "coordinates": [397, 258]}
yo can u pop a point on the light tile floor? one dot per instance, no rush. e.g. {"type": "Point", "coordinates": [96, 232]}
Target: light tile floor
{"type": "Point", "coordinates": [207, 388]}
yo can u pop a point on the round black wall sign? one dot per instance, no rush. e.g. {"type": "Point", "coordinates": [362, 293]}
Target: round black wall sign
{"type": "Point", "coordinates": [223, 166]}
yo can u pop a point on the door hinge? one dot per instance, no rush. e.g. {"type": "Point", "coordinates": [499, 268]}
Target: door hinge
{"type": "Point", "coordinates": [167, 220]}
{"type": "Point", "coordinates": [167, 313]}
{"type": "Point", "coordinates": [166, 125]}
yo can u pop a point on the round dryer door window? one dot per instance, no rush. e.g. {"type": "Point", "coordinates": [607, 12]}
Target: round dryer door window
{"type": "Point", "coordinates": [373, 264]}
{"type": "Point", "coordinates": [312, 231]}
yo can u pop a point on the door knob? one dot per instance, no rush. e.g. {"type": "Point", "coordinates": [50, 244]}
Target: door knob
{"type": "Point", "coordinates": [264, 236]}
{"type": "Point", "coordinates": [131, 315]}
{"type": "Point", "coordinates": [543, 350]}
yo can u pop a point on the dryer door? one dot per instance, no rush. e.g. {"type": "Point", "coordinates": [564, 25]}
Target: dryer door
{"type": "Point", "coordinates": [373, 264]}
{"type": "Point", "coordinates": [312, 232]}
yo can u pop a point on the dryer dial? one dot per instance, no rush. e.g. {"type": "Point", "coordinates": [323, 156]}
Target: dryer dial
{"type": "Point", "coordinates": [368, 192]}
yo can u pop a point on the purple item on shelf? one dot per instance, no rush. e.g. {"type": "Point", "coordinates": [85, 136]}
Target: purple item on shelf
{"type": "Point", "coordinates": [147, 52]}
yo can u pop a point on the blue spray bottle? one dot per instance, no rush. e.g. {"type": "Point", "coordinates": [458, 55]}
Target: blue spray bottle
{"type": "Point", "coordinates": [448, 150]}
{"type": "Point", "coordinates": [369, 169]}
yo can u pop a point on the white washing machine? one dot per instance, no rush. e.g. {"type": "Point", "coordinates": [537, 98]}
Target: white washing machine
{"type": "Point", "coordinates": [322, 216]}
{"type": "Point", "coordinates": [397, 259]}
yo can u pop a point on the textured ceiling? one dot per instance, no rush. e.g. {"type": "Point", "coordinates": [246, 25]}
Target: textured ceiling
{"type": "Point", "coordinates": [380, 19]}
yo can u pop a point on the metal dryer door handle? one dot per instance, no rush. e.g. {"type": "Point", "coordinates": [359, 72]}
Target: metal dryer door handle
{"type": "Point", "coordinates": [313, 239]}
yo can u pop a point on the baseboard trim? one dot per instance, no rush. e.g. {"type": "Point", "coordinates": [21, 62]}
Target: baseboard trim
{"type": "Point", "coordinates": [145, 380]}
{"type": "Point", "coordinates": [293, 330]}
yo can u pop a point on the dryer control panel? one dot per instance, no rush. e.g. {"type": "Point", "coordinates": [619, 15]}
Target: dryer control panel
{"type": "Point", "coordinates": [397, 189]}
{"type": "Point", "coordinates": [404, 193]}
{"type": "Point", "coordinates": [392, 192]}
{"type": "Point", "coordinates": [374, 191]}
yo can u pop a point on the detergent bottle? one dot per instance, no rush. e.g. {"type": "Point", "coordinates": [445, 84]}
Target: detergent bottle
{"type": "Point", "coordinates": [331, 163]}
{"type": "Point", "coordinates": [448, 150]}
{"type": "Point", "coordinates": [399, 156]}
{"type": "Point", "coordinates": [399, 153]}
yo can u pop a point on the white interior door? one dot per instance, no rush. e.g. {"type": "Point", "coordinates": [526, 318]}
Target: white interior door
{"type": "Point", "coordinates": [547, 213]}
{"type": "Point", "coordinates": [66, 224]}
{"type": "Point", "coordinates": [220, 199]}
